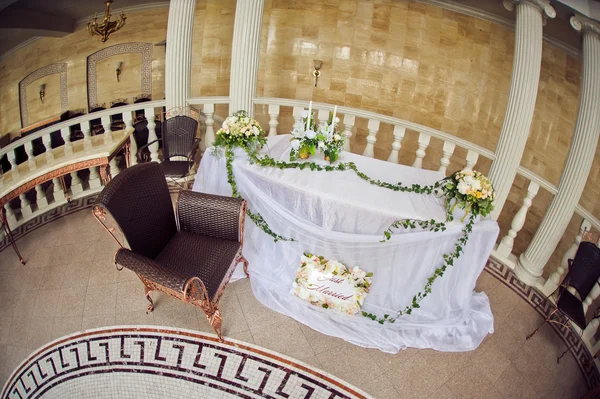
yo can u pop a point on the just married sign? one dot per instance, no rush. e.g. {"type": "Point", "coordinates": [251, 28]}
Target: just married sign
{"type": "Point", "coordinates": [330, 284]}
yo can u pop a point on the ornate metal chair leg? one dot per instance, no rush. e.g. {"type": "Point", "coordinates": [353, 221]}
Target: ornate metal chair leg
{"type": "Point", "coordinates": [147, 291]}
{"type": "Point", "coordinates": [245, 266]}
{"type": "Point", "coordinates": [215, 320]}
{"type": "Point", "coordinates": [541, 325]}
{"type": "Point", "coordinates": [564, 353]}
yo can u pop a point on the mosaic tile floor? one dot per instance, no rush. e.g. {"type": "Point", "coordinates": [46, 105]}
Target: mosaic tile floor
{"type": "Point", "coordinates": [70, 284]}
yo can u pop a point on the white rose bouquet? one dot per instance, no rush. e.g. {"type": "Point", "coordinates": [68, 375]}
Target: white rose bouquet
{"type": "Point", "coordinates": [240, 130]}
{"type": "Point", "coordinates": [469, 190]}
{"type": "Point", "coordinates": [308, 138]}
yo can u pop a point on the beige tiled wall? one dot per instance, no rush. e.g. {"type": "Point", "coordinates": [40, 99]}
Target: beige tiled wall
{"type": "Point", "coordinates": [148, 26]}
{"type": "Point", "coordinates": [130, 81]}
{"type": "Point", "coordinates": [51, 106]}
{"type": "Point", "coordinates": [211, 47]}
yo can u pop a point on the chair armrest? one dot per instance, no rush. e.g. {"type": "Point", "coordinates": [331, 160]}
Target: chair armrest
{"type": "Point", "coordinates": [211, 215]}
{"type": "Point", "coordinates": [149, 269]}
{"type": "Point", "coordinates": [194, 149]}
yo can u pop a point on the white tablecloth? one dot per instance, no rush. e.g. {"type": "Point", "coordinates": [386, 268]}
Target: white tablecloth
{"type": "Point", "coordinates": [340, 216]}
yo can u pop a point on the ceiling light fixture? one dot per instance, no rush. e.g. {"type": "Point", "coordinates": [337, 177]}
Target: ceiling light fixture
{"type": "Point", "coordinates": [106, 27]}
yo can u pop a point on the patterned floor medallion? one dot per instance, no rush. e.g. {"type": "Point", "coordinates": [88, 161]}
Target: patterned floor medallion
{"type": "Point", "coordinates": [155, 362]}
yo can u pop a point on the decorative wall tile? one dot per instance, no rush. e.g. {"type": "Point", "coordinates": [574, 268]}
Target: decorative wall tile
{"type": "Point", "coordinates": [60, 68]}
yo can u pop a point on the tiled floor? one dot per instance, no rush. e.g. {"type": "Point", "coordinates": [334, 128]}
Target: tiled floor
{"type": "Point", "coordinates": [70, 284]}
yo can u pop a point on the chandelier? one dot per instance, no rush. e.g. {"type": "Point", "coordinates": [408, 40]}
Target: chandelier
{"type": "Point", "coordinates": [106, 27]}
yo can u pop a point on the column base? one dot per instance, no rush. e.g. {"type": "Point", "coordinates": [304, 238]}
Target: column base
{"type": "Point", "coordinates": [526, 273]}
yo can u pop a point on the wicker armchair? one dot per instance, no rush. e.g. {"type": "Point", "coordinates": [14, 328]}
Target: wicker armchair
{"type": "Point", "coordinates": [583, 274]}
{"type": "Point", "coordinates": [179, 141]}
{"type": "Point", "coordinates": [190, 257]}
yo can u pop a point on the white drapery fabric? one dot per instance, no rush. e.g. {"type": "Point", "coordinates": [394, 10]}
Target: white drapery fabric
{"type": "Point", "coordinates": [340, 216]}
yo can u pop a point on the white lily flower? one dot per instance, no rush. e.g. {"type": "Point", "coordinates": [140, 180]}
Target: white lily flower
{"type": "Point", "coordinates": [311, 134]}
{"type": "Point", "coordinates": [295, 144]}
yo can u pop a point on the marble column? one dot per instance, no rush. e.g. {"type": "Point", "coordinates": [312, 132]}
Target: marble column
{"type": "Point", "coordinates": [245, 54]}
{"type": "Point", "coordinates": [178, 58]}
{"type": "Point", "coordinates": [579, 161]}
{"type": "Point", "coordinates": [527, 61]}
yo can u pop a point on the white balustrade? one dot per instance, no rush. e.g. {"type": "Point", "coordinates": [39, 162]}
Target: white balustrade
{"type": "Point", "coordinates": [26, 211]}
{"type": "Point", "coordinates": [105, 119]}
{"type": "Point", "coordinates": [209, 135]}
{"type": "Point", "coordinates": [472, 158]}
{"type": "Point", "coordinates": [556, 278]}
{"type": "Point", "coordinates": [58, 193]}
{"type": "Point", "coordinates": [348, 125]}
{"type": "Point", "coordinates": [322, 116]}
{"type": "Point", "coordinates": [133, 148]}
{"type": "Point", "coordinates": [297, 113]}
{"type": "Point", "coordinates": [76, 184]}
{"type": "Point", "coordinates": [12, 158]}
{"type": "Point", "coordinates": [373, 128]}
{"type": "Point", "coordinates": [447, 151]}
{"type": "Point", "coordinates": [94, 179]}
{"type": "Point", "coordinates": [504, 250]}
{"type": "Point", "coordinates": [47, 140]}
{"type": "Point", "coordinates": [65, 133]}
{"type": "Point", "coordinates": [30, 156]}
{"type": "Point", "coordinates": [424, 139]}
{"type": "Point", "coordinates": [41, 200]}
{"type": "Point", "coordinates": [149, 113]}
{"type": "Point", "coordinates": [399, 132]}
{"type": "Point", "coordinates": [11, 218]}
{"type": "Point", "coordinates": [273, 121]}
{"type": "Point", "coordinates": [87, 134]}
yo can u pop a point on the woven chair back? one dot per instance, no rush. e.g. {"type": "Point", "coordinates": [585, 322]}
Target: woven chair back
{"type": "Point", "coordinates": [585, 270]}
{"type": "Point", "coordinates": [179, 133]}
{"type": "Point", "coordinates": [138, 199]}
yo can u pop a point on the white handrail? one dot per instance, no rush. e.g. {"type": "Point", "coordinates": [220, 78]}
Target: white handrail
{"type": "Point", "coordinates": [382, 118]}
{"type": "Point", "coordinates": [80, 119]}
{"type": "Point", "coordinates": [208, 100]}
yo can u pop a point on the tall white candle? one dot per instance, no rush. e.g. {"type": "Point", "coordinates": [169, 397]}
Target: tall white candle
{"type": "Point", "coordinates": [308, 119]}
{"type": "Point", "coordinates": [332, 127]}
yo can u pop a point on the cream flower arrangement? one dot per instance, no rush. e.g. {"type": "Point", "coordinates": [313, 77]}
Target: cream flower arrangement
{"type": "Point", "coordinates": [308, 137]}
{"type": "Point", "coordinates": [469, 190]}
{"type": "Point", "coordinates": [316, 268]}
{"type": "Point", "coordinates": [240, 130]}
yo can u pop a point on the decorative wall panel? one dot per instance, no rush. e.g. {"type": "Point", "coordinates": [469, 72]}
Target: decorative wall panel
{"type": "Point", "coordinates": [60, 68]}
{"type": "Point", "coordinates": [146, 71]}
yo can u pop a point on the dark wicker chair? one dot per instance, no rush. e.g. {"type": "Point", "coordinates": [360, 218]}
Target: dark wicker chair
{"type": "Point", "coordinates": [584, 272]}
{"type": "Point", "coordinates": [179, 140]}
{"type": "Point", "coordinates": [190, 257]}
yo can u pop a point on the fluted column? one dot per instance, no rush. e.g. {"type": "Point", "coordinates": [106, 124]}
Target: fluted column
{"type": "Point", "coordinates": [178, 57]}
{"type": "Point", "coordinates": [245, 51]}
{"type": "Point", "coordinates": [525, 77]}
{"type": "Point", "coordinates": [579, 161]}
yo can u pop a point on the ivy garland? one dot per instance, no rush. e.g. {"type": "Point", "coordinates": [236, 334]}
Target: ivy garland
{"type": "Point", "coordinates": [431, 225]}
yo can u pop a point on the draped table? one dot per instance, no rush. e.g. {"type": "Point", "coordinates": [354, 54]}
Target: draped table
{"type": "Point", "coordinates": [340, 216]}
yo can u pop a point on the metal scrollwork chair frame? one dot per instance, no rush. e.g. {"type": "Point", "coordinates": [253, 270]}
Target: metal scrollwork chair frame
{"type": "Point", "coordinates": [189, 255]}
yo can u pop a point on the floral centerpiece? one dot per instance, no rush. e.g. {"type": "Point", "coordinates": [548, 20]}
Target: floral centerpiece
{"type": "Point", "coordinates": [317, 281]}
{"type": "Point", "coordinates": [308, 137]}
{"type": "Point", "coordinates": [240, 130]}
{"type": "Point", "coordinates": [469, 190]}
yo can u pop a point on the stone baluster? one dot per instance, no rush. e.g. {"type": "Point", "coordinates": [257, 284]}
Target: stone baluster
{"type": "Point", "coordinates": [41, 199]}
{"type": "Point", "coordinates": [447, 151]}
{"type": "Point", "coordinates": [11, 218]}
{"type": "Point", "coordinates": [322, 116]}
{"type": "Point", "coordinates": [373, 128]}
{"type": "Point", "coordinates": [76, 184]}
{"type": "Point", "coordinates": [472, 158]}
{"type": "Point", "coordinates": [209, 135]}
{"type": "Point", "coordinates": [297, 113]}
{"type": "Point", "coordinates": [557, 276]}
{"type": "Point", "coordinates": [149, 113]}
{"type": "Point", "coordinates": [105, 120]}
{"type": "Point", "coordinates": [94, 180]}
{"type": "Point", "coordinates": [87, 134]}
{"type": "Point", "coordinates": [506, 245]}
{"type": "Point", "coordinates": [245, 51]}
{"type": "Point", "coordinates": [26, 211]}
{"type": "Point", "coordinates": [399, 133]}
{"type": "Point", "coordinates": [114, 167]}
{"type": "Point", "coordinates": [58, 193]}
{"type": "Point", "coordinates": [579, 161]}
{"type": "Point", "coordinates": [12, 158]}
{"type": "Point", "coordinates": [424, 139]}
{"type": "Point", "coordinates": [65, 133]}
{"type": "Point", "coordinates": [527, 60]}
{"type": "Point", "coordinates": [133, 148]}
{"type": "Point", "coordinates": [274, 121]}
{"type": "Point", "coordinates": [47, 140]}
{"type": "Point", "coordinates": [178, 56]}
{"type": "Point", "coordinates": [348, 125]}
{"type": "Point", "coordinates": [30, 156]}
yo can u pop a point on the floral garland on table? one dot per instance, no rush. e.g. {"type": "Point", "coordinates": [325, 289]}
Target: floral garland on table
{"type": "Point", "coordinates": [360, 279]}
{"type": "Point", "coordinates": [469, 190]}
{"type": "Point", "coordinates": [307, 138]}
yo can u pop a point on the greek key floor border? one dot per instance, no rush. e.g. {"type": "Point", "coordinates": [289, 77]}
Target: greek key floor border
{"type": "Point", "coordinates": [534, 298]}
{"type": "Point", "coordinates": [531, 295]}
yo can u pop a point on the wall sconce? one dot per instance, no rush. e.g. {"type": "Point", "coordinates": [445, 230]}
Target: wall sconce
{"type": "Point", "coordinates": [42, 92]}
{"type": "Point", "coordinates": [119, 64]}
{"type": "Point", "coordinates": [317, 71]}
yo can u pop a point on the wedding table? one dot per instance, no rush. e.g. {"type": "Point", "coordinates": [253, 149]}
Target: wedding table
{"type": "Point", "coordinates": [340, 216]}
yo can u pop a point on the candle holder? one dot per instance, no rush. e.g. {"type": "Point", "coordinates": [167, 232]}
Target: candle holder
{"type": "Point", "coordinates": [119, 65]}
{"type": "Point", "coordinates": [42, 92]}
{"type": "Point", "coordinates": [317, 71]}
